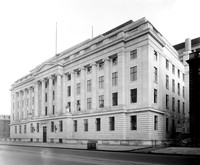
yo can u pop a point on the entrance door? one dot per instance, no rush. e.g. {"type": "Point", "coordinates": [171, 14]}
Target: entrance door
{"type": "Point", "coordinates": [44, 134]}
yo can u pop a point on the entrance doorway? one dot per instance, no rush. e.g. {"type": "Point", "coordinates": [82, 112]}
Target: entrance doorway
{"type": "Point", "coordinates": [44, 134]}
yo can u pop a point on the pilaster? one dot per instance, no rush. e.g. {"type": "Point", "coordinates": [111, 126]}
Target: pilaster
{"type": "Point", "coordinates": [59, 94]}
{"type": "Point", "coordinates": [94, 86]}
{"type": "Point", "coordinates": [36, 99]}
{"type": "Point", "coordinates": [43, 97]}
{"type": "Point", "coordinates": [83, 93]}
{"type": "Point", "coordinates": [50, 95]}
{"type": "Point", "coordinates": [107, 82]}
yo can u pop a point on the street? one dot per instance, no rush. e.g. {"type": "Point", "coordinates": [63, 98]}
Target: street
{"type": "Point", "coordinates": [11, 155]}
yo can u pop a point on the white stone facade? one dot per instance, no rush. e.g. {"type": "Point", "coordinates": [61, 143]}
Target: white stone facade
{"type": "Point", "coordinates": [102, 89]}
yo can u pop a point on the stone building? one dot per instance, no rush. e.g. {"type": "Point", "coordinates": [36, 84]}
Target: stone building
{"type": "Point", "coordinates": [125, 87]}
{"type": "Point", "coordinates": [4, 126]}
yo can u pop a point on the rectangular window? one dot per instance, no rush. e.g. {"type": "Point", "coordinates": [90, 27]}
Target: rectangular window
{"type": "Point", "coordinates": [45, 97]}
{"type": "Point", "coordinates": [53, 95]}
{"type": "Point", "coordinates": [183, 92]}
{"type": "Point", "coordinates": [101, 82]}
{"type": "Point", "coordinates": [134, 95]}
{"type": "Point", "coordinates": [112, 123]}
{"type": "Point", "coordinates": [20, 129]}
{"type": "Point", "coordinates": [61, 126]}
{"type": "Point", "coordinates": [38, 127]}
{"type": "Point", "coordinates": [167, 82]}
{"type": "Point", "coordinates": [46, 111]}
{"type": "Point", "coordinates": [173, 85]}
{"type": "Point", "coordinates": [78, 89]}
{"type": "Point", "coordinates": [69, 106]}
{"type": "Point", "coordinates": [178, 73]}
{"type": "Point", "coordinates": [167, 125]}
{"type": "Point", "coordinates": [15, 129]}
{"type": "Point", "coordinates": [173, 69]}
{"type": "Point", "coordinates": [167, 101]}
{"type": "Point", "coordinates": [101, 101]}
{"type": "Point", "coordinates": [178, 106]}
{"type": "Point", "coordinates": [155, 95]}
{"type": "Point", "coordinates": [183, 108]}
{"type": "Point", "coordinates": [53, 81]}
{"type": "Point", "coordinates": [114, 60]}
{"type": "Point", "coordinates": [75, 125]}
{"type": "Point", "coordinates": [52, 126]}
{"type": "Point", "coordinates": [179, 89]}
{"type": "Point", "coordinates": [114, 99]}
{"type": "Point", "coordinates": [78, 105]}
{"type": "Point", "coordinates": [133, 54]}
{"type": "Point", "coordinates": [89, 85]}
{"type": "Point", "coordinates": [24, 128]}
{"type": "Point", "coordinates": [69, 91]}
{"type": "Point", "coordinates": [78, 73]}
{"type": "Point", "coordinates": [183, 77]}
{"type": "Point", "coordinates": [114, 78]}
{"type": "Point", "coordinates": [101, 65]}
{"type": "Point", "coordinates": [69, 77]}
{"type": "Point", "coordinates": [155, 122]}
{"type": "Point", "coordinates": [167, 64]}
{"type": "Point", "coordinates": [155, 55]}
{"type": "Point", "coordinates": [98, 124]}
{"type": "Point", "coordinates": [31, 128]}
{"type": "Point", "coordinates": [155, 75]}
{"type": "Point", "coordinates": [53, 109]}
{"type": "Point", "coordinates": [133, 122]}
{"type": "Point", "coordinates": [85, 125]}
{"type": "Point", "coordinates": [173, 103]}
{"type": "Point", "coordinates": [133, 73]}
{"type": "Point", "coordinates": [89, 103]}
{"type": "Point", "coordinates": [89, 70]}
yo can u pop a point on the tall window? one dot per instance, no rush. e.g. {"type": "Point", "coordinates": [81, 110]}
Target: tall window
{"type": "Point", "coordinates": [52, 126]}
{"type": "Point", "coordinates": [89, 70]}
{"type": "Point", "coordinates": [115, 99]}
{"type": "Point", "coordinates": [173, 85]}
{"type": "Point", "coordinates": [24, 128]}
{"type": "Point", "coordinates": [38, 127]}
{"type": "Point", "coordinates": [45, 111]}
{"type": "Point", "coordinates": [69, 106]}
{"type": "Point", "coordinates": [45, 97]}
{"type": "Point", "coordinates": [69, 77]}
{"type": "Point", "coordinates": [155, 95]}
{"type": "Point", "coordinates": [183, 108]}
{"type": "Point", "coordinates": [133, 73]}
{"type": "Point", "coordinates": [173, 69]}
{"type": "Point", "coordinates": [178, 88]}
{"type": "Point", "coordinates": [133, 54]}
{"type": "Point", "coordinates": [98, 124]}
{"type": "Point", "coordinates": [89, 85]}
{"type": "Point", "coordinates": [183, 92]}
{"type": "Point", "coordinates": [61, 126]}
{"type": "Point", "coordinates": [78, 73]}
{"type": "Point", "coordinates": [114, 78]}
{"type": "Point", "coordinates": [101, 65]}
{"type": "Point", "coordinates": [167, 82]}
{"type": "Point", "coordinates": [75, 125]}
{"type": "Point", "coordinates": [86, 125]}
{"type": "Point", "coordinates": [173, 103]}
{"type": "Point", "coordinates": [89, 103]}
{"type": "Point", "coordinates": [53, 109]}
{"type": "Point", "coordinates": [53, 95]}
{"type": "Point", "coordinates": [69, 91]}
{"type": "Point", "coordinates": [178, 73]}
{"type": "Point", "coordinates": [155, 122]}
{"type": "Point", "coordinates": [178, 106]}
{"type": "Point", "coordinates": [78, 89]}
{"type": "Point", "coordinates": [155, 55]}
{"type": "Point", "coordinates": [167, 64]}
{"type": "Point", "coordinates": [101, 101]}
{"type": "Point", "coordinates": [31, 127]}
{"type": "Point", "coordinates": [114, 60]}
{"type": "Point", "coordinates": [155, 74]}
{"type": "Point", "coordinates": [78, 105]}
{"type": "Point", "coordinates": [167, 101]}
{"type": "Point", "coordinates": [134, 95]}
{"type": "Point", "coordinates": [20, 129]}
{"type": "Point", "coordinates": [167, 125]}
{"type": "Point", "coordinates": [101, 82]}
{"type": "Point", "coordinates": [183, 77]}
{"type": "Point", "coordinates": [133, 120]}
{"type": "Point", "coordinates": [112, 123]}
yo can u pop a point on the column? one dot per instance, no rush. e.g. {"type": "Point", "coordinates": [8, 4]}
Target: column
{"type": "Point", "coordinates": [50, 99]}
{"type": "Point", "coordinates": [59, 95]}
{"type": "Point", "coordinates": [94, 86]}
{"type": "Point", "coordinates": [83, 98]}
{"type": "Point", "coordinates": [36, 100]}
{"type": "Point", "coordinates": [30, 102]}
{"type": "Point", "coordinates": [64, 93]}
{"type": "Point", "coordinates": [20, 105]}
{"type": "Point", "coordinates": [25, 103]}
{"type": "Point", "coordinates": [43, 97]}
{"type": "Point", "coordinates": [107, 82]}
{"type": "Point", "coordinates": [15, 108]}
{"type": "Point", "coordinates": [73, 104]}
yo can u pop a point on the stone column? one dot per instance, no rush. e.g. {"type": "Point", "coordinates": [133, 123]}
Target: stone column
{"type": "Point", "coordinates": [25, 103]}
{"type": "Point", "coordinates": [64, 93]}
{"type": "Point", "coordinates": [30, 101]}
{"type": "Point", "coordinates": [83, 98]}
{"type": "Point", "coordinates": [50, 99]}
{"type": "Point", "coordinates": [107, 82]}
{"type": "Point", "coordinates": [15, 108]}
{"type": "Point", "coordinates": [36, 100]}
{"type": "Point", "coordinates": [59, 94]}
{"type": "Point", "coordinates": [20, 105]}
{"type": "Point", "coordinates": [43, 97]}
{"type": "Point", "coordinates": [94, 86]}
{"type": "Point", "coordinates": [73, 104]}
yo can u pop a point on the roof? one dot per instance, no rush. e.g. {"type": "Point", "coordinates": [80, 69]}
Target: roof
{"type": "Point", "coordinates": [182, 45]}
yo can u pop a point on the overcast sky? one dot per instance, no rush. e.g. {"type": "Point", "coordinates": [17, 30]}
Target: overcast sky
{"type": "Point", "coordinates": [27, 28]}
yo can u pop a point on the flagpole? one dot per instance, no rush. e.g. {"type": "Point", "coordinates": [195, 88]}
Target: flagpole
{"type": "Point", "coordinates": [56, 41]}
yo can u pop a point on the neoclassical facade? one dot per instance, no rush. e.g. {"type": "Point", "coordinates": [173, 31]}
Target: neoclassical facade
{"type": "Point", "coordinates": [123, 87]}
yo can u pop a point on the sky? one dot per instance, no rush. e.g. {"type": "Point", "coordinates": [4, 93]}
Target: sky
{"type": "Point", "coordinates": [28, 29]}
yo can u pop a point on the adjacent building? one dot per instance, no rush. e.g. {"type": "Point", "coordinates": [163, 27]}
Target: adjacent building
{"type": "Point", "coordinates": [125, 86]}
{"type": "Point", "coordinates": [4, 126]}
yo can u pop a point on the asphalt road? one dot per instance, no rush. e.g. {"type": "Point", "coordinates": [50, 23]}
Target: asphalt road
{"type": "Point", "coordinates": [18, 155]}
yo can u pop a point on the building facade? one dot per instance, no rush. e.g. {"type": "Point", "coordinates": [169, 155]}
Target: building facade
{"type": "Point", "coordinates": [4, 126]}
{"type": "Point", "coordinates": [125, 86]}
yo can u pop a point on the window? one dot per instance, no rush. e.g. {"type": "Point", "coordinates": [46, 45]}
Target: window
{"type": "Point", "coordinates": [155, 75]}
{"type": "Point", "coordinates": [78, 89]}
{"type": "Point", "coordinates": [179, 89]}
{"type": "Point", "coordinates": [69, 106]}
{"type": "Point", "coordinates": [53, 109]}
{"type": "Point", "coordinates": [173, 69]}
{"type": "Point", "coordinates": [101, 82]}
{"type": "Point", "coordinates": [86, 125]}
{"type": "Point", "coordinates": [115, 99]}
{"type": "Point", "coordinates": [101, 101]}
{"type": "Point", "coordinates": [78, 73]}
{"type": "Point", "coordinates": [89, 103]}
{"type": "Point", "coordinates": [183, 77]}
{"type": "Point", "coordinates": [45, 97]}
{"type": "Point", "coordinates": [20, 129]}
{"type": "Point", "coordinates": [114, 60]}
{"type": "Point", "coordinates": [112, 123]}
{"type": "Point", "coordinates": [46, 84]}
{"type": "Point", "coordinates": [69, 91]}
{"type": "Point", "coordinates": [134, 95]}
{"type": "Point", "coordinates": [167, 64]}
{"type": "Point", "coordinates": [101, 66]}
{"type": "Point", "coordinates": [167, 101]}
{"type": "Point", "coordinates": [178, 73]}
{"type": "Point", "coordinates": [183, 92]}
{"type": "Point", "coordinates": [38, 127]}
{"type": "Point", "coordinates": [61, 126]}
{"type": "Point", "coordinates": [133, 54]}
{"type": "Point", "coordinates": [69, 77]}
{"type": "Point", "coordinates": [133, 73]}
{"type": "Point", "coordinates": [24, 128]}
{"type": "Point", "coordinates": [114, 78]}
{"type": "Point", "coordinates": [167, 82]}
{"type": "Point", "coordinates": [89, 70]}
{"type": "Point", "coordinates": [155, 55]}
{"type": "Point", "coordinates": [75, 125]}
{"type": "Point", "coordinates": [155, 95]}
{"type": "Point", "coordinates": [53, 95]}
{"type": "Point", "coordinates": [133, 120]}
{"type": "Point", "coordinates": [45, 111]}
{"type": "Point", "coordinates": [155, 122]}
{"type": "Point", "coordinates": [98, 124]}
{"type": "Point", "coordinates": [183, 108]}
{"type": "Point", "coordinates": [167, 125]}
{"type": "Point", "coordinates": [173, 103]}
{"type": "Point", "coordinates": [173, 85]}
{"type": "Point", "coordinates": [89, 85]}
{"type": "Point", "coordinates": [78, 105]}
{"type": "Point", "coordinates": [178, 106]}
{"type": "Point", "coordinates": [31, 128]}
{"type": "Point", "coordinates": [15, 129]}
{"type": "Point", "coordinates": [52, 126]}
{"type": "Point", "coordinates": [53, 81]}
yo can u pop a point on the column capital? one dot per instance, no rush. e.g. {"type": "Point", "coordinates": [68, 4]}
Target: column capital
{"type": "Point", "coordinates": [82, 68]}
{"type": "Point", "coordinates": [93, 64]}
{"type": "Point", "coordinates": [36, 82]}
{"type": "Point", "coordinates": [50, 77]}
{"type": "Point", "coordinates": [59, 74]}
{"type": "Point", "coordinates": [106, 59]}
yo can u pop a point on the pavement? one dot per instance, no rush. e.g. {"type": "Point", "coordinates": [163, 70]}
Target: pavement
{"type": "Point", "coordinates": [189, 151]}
